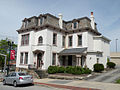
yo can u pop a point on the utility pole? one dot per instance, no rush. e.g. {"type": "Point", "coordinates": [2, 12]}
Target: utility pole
{"type": "Point", "coordinates": [116, 44]}
{"type": "Point", "coordinates": [10, 44]}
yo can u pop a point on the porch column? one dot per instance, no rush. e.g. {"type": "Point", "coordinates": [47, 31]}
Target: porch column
{"type": "Point", "coordinates": [78, 60]}
{"type": "Point", "coordinates": [66, 61]}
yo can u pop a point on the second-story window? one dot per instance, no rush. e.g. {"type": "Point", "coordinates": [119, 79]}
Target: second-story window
{"type": "Point", "coordinates": [75, 25]}
{"type": "Point", "coordinates": [79, 40]}
{"type": "Point", "coordinates": [70, 41]}
{"type": "Point", "coordinates": [25, 40]}
{"type": "Point", "coordinates": [63, 41]}
{"type": "Point", "coordinates": [40, 40]}
{"type": "Point", "coordinates": [54, 39]}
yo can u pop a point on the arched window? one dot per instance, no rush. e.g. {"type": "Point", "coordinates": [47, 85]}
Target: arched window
{"type": "Point", "coordinates": [40, 40]}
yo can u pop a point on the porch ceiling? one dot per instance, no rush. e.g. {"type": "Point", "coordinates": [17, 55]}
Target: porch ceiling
{"type": "Point", "coordinates": [73, 51]}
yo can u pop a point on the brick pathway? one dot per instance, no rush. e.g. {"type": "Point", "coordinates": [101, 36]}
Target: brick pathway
{"type": "Point", "coordinates": [64, 86]}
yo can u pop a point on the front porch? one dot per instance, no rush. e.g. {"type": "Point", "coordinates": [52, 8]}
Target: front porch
{"type": "Point", "coordinates": [73, 57]}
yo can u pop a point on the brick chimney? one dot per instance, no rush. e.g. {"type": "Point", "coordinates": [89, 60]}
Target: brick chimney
{"type": "Point", "coordinates": [92, 21]}
{"type": "Point", "coordinates": [60, 20]}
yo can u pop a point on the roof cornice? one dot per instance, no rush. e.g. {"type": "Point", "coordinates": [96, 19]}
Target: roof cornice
{"type": "Point", "coordinates": [36, 28]}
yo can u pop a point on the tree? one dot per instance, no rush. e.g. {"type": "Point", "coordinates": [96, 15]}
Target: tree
{"type": "Point", "coordinates": [4, 49]}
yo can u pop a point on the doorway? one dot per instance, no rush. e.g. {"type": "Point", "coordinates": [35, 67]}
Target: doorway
{"type": "Point", "coordinates": [70, 60]}
{"type": "Point", "coordinates": [39, 60]}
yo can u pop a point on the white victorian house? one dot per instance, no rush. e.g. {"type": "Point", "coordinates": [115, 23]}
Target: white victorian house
{"type": "Point", "coordinates": [48, 40]}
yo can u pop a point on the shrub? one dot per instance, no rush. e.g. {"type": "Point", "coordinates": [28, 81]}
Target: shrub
{"type": "Point", "coordinates": [69, 69]}
{"type": "Point", "coordinates": [98, 67]}
{"type": "Point", "coordinates": [52, 69]}
{"type": "Point", "coordinates": [61, 69]}
{"type": "Point", "coordinates": [87, 71]}
{"type": "Point", "coordinates": [77, 70]}
{"type": "Point", "coordinates": [111, 65]}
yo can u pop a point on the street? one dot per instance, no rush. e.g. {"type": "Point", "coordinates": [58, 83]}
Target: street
{"type": "Point", "coordinates": [25, 87]}
{"type": "Point", "coordinates": [108, 77]}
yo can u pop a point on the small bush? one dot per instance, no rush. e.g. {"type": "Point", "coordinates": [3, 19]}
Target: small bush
{"type": "Point", "coordinates": [87, 71]}
{"type": "Point", "coordinates": [52, 69]}
{"type": "Point", "coordinates": [77, 70]}
{"type": "Point", "coordinates": [118, 81]}
{"type": "Point", "coordinates": [61, 69]}
{"type": "Point", "coordinates": [111, 65]}
{"type": "Point", "coordinates": [98, 67]}
{"type": "Point", "coordinates": [69, 69]}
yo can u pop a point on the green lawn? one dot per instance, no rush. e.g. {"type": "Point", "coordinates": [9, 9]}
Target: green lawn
{"type": "Point", "coordinates": [118, 81]}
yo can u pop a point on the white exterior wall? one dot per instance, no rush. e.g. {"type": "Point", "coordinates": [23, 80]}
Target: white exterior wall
{"type": "Point", "coordinates": [103, 46]}
{"type": "Point", "coordinates": [88, 41]}
{"type": "Point", "coordinates": [75, 40]}
{"type": "Point", "coordinates": [24, 49]}
{"type": "Point", "coordinates": [91, 60]}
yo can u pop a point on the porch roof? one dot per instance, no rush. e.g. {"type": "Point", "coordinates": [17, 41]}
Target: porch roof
{"type": "Point", "coordinates": [73, 51]}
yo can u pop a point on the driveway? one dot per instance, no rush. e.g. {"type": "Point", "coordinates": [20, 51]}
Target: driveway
{"type": "Point", "coordinates": [108, 77]}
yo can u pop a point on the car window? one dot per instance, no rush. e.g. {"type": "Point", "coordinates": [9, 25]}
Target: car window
{"type": "Point", "coordinates": [21, 74]}
{"type": "Point", "coordinates": [13, 74]}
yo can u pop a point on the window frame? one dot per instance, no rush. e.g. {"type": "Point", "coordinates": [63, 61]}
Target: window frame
{"type": "Point", "coordinates": [25, 39]}
{"type": "Point", "coordinates": [73, 25]}
{"type": "Point", "coordinates": [54, 61]}
{"type": "Point", "coordinates": [55, 42]}
{"type": "Point", "coordinates": [40, 40]}
{"type": "Point", "coordinates": [63, 41]}
{"type": "Point", "coordinates": [24, 61]}
{"type": "Point", "coordinates": [79, 40]}
{"type": "Point", "coordinates": [70, 45]}
{"type": "Point", "coordinates": [21, 58]}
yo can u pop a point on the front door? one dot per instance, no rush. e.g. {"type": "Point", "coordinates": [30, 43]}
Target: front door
{"type": "Point", "coordinates": [39, 60]}
{"type": "Point", "coordinates": [70, 60]}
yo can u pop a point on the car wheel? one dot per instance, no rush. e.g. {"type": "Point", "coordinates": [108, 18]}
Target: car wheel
{"type": "Point", "coordinates": [15, 84]}
{"type": "Point", "coordinates": [4, 82]}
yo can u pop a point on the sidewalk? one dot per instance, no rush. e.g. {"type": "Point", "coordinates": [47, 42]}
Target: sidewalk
{"type": "Point", "coordinates": [77, 84]}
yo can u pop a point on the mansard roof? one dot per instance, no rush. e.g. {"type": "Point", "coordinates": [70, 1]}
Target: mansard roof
{"type": "Point", "coordinates": [51, 21]}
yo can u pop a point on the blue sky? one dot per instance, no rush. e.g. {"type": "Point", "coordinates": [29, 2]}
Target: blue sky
{"type": "Point", "coordinates": [106, 12]}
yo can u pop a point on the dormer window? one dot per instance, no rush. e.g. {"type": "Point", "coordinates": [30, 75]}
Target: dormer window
{"type": "Point", "coordinates": [40, 40]}
{"type": "Point", "coordinates": [75, 25]}
{"type": "Point", "coordinates": [40, 21]}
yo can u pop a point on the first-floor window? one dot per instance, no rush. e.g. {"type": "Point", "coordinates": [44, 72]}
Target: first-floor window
{"type": "Point", "coordinates": [24, 58]}
{"type": "Point", "coordinates": [21, 58]}
{"type": "Point", "coordinates": [54, 59]}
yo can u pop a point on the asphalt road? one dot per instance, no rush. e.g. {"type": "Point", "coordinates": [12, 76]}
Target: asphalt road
{"type": "Point", "coordinates": [108, 77]}
{"type": "Point", "coordinates": [26, 87]}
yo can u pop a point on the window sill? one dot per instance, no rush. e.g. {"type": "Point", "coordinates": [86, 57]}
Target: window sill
{"type": "Point", "coordinates": [54, 45]}
{"type": "Point", "coordinates": [24, 45]}
{"type": "Point", "coordinates": [24, 64]}
{"type": "Point", "coordinates": [79, 45]}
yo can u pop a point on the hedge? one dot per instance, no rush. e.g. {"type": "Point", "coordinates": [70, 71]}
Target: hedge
{"type": "Point", "coordinates": [77, 70]}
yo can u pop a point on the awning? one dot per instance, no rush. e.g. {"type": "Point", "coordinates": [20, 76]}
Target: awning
{"type": "Point", "coordinates": [73, 51]}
